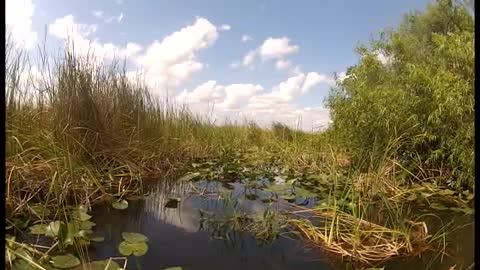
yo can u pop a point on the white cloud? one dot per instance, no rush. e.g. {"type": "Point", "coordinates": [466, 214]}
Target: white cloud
{"type": "Point", "coordinates": [67, 29]}
{"type": "Point", "coordinates": [271, 48]}
{"type": "Point", "coordinates": [18, 19]}
{"type": "Point", "coordinates": [171, 61]}
{"type": "Point", "coordinates": [240, 101]}
{"type": "Point", "coordinates": [119, 2]}
{"type": "Point", "coordinates": [249, 58]}
{"type": "Point", "coordinates": [225, 27]}
{"type": "Point", "coordinates": [246, 38]}
{"type": "Point", "coordinates": [120, 17]}
{"type": "Point", "coordinates": [277, 48]}
{"type": "Point", "coordinates": [283, 64]}
{"type": "Point", "coordinates": [97, 14]}
{"type": "Point", "coordinates": [234, 65]}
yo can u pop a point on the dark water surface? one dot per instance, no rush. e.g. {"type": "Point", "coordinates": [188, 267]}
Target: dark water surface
{"type": "Point", "coordinates": [177, 237]}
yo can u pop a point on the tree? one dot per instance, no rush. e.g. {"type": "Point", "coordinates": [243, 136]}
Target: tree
{"type": "Point", "coordinates": [414, 84]}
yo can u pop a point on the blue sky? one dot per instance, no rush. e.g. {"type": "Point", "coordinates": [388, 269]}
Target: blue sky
{"type": "Point", "coordinates": [295, 46]}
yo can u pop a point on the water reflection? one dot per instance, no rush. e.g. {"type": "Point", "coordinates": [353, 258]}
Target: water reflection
{"type": "Point", "coordinates": [176, 236]}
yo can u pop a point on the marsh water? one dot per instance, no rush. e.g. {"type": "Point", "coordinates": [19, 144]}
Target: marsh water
{"type": "Point", "coordinates": [178, 236]}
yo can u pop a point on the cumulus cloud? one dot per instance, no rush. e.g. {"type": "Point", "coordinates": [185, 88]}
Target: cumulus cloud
{"type": "Point", "coordinates": [18, 20]}
{"type": "Point", "coordinates": [249, 59]}
{"type": "Point", "coordinates": [239, 101]}
{"type": "Point", "coordinates": [225, 27]}
{"type": "Point", "coordinates": [277, 48]}
{"type": "Point", "coordinates": [67, 29]}
{"type": "Point", "coordinates": [272, 48]}
{"type": "Point", "coordinates": [283, 64]}
{"type": "Point", "coordinates": [246, 38]}
{"type": "Point", "coordinates": [170, 62]}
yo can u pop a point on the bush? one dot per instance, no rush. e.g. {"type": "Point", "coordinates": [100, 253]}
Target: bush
{"type": "Point", "coordinates": [414, 88]}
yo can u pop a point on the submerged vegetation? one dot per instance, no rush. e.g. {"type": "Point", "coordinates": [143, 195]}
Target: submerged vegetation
{"type": "Point", "coordinates": [84, 133]}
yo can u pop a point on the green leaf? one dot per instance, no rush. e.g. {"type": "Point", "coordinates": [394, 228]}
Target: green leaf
{"type": "Point", "coordinates": [280, 188]}
{"type": "Point", "coordinates": [87, 225]}
{"type": "Point", "coordinates": [65, 261]}
{"type": "Point", "coordinates": [53, 228]}
{"type": "Point", "coordinates": [38, 229]}
{"type": "Point", "coordinates": [39, 210]}
{"type": "Point", "coordinates": [80, 215]}
{"type": "Point", "coordinates": [137, 249]}
{"type": "Point", "coordinates": [98, 265]}
{"type": "Point", "coordinates": [120, 204]}
{"type": "Point", "coordinates": [23, 265]}
{"type": "Point", "coordinates": [134, 237]}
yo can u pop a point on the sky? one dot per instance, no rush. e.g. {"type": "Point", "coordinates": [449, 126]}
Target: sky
{"type": "Point", "coordinates": [253, 59]}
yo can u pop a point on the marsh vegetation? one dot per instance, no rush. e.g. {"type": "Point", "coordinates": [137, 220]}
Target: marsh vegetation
{"type": "Point", "coordinates": [92, 158]}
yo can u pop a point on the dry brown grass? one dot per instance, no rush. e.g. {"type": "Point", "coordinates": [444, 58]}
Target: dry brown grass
{"type": "Point", "coordinates": [356, 239]}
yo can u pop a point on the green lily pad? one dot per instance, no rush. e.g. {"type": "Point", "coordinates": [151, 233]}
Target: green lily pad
{"type": "Point", "coordinates": [87, 225]}
{"type": "Point", "coordinates": [120, 204]}
{"type": "Point", "coordinates": [65, 261]}
{"type": "Point", "coordinates": [39, 210]}
{"type": "Point", "coordinates": [137, 249]}
{"type": "Point", "coordinates": [189, 176]}
{"type": "Point", "coordinates": [53, 228]}
{"type": "Point", "coordinates": [134, 237]}
{"type": "Point", "coordinates": [23, 265]}
{"type": "Point", "coordinates": [98, 265]}
{"type": "Point", "coordinates": [80, 215]}
{"type": "Point", "coordinates": [38, 229]}
{"type": "Point", "coordinates": [278, 188]}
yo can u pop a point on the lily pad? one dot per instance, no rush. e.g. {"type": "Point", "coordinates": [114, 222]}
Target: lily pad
{"type": "Point", "coordinates": [87, 225]}
{"type": "Point", "coordinates": [80, 215]}
{"type": "Point", "coordinates": [120, 204]}
{"type": "Point", "coordinates": [98, 265]}
{"type": "Point", "coordinates": [134, 237]}
{"type": "Point", "coordinates": [137, 249]}
{"type": "Point", "coordinates": [39, 210]}
{"type": "Point", "coordinates": [53, 228]}
{"type": "Point", "coordinates": [23, 265]}
{"type": "Point", "coordinates": [38, 229]}
{"type": "Point", "coordinates": [65, 261]}
{"type": "Point", "coordinates": [277, 188]}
